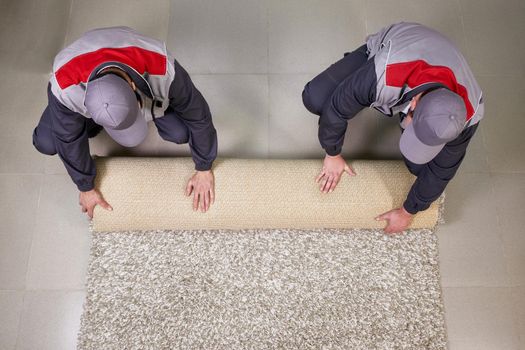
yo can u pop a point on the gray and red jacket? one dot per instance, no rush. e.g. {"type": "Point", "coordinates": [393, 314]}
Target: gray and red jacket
{"type": "Point", "coordinates": [153, 70]}
{"type": "Point", "coordinates": [410, 58]}
{"type": "Point", "coordinates": [405, 59]}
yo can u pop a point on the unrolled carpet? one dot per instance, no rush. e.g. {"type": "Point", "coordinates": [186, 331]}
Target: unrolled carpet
{"type": "Point", "coordinates": [261, 287]}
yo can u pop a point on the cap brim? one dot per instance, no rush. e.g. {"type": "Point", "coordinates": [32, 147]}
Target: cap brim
{"type": "Point", "coordinates": [133, 135]}
{"type": "Point", "coordinates": [414, 150]}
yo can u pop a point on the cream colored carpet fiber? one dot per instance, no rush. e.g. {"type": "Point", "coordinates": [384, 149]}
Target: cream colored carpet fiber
{"type": "Point", "coordinates": [258, 288]}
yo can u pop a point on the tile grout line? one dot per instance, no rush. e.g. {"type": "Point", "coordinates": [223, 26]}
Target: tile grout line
{"type": "Point", "coordinates": [68, 25]}
{"type": "Point", "coordinates": [268, 102]}
{"type": "Point", "coordinates": [24, 295]}
{"type": "Point", "coordinates": [25, 290]}
{"type": "Point", "coordinates": [19, 326]}
{"type": "Point", "coordinates": [366, 16]}
{"type": "Point", "coordinates": [479, 287]}
{"type": "Point", "coordinates": [467, 47]}
{"type": "Point", "coordinates": [500, 234]}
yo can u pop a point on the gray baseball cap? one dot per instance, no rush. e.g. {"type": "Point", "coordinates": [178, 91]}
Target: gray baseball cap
{"type": "Point", "coordinates": [439, 117]}
{"type": "Point", "coordinates": [111, 102]}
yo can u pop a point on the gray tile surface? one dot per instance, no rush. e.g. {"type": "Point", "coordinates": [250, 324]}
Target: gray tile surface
{"type": "Point", "coordinates": [476, 159]}
{"type": "Point", "coordinates": [239, 104]}
{"type": "Point", "coordinates": [60, 249]}
{"type": "Point", "coordinates": [508, 199]}
{"type": "Point", "coordinates": [307, 35]}
{"type": "Point", "coordinates": [518, 295]}
{"type": "Point", "coordinates": [50, 320]}
{"type": "Point", "coordinates": [251, 60]}
{"type": "Point", "coordinates": [480, 319]}
{"type": "Point", "coordinates": [18, 206]}
{"type": "Point", "coordinates": [444, 16]}
{"type": "Point", "coordinates": [14, 256]}
{"type": "Point", "coordinates": [227, 36]}
{"type": "Point", "coordinates": [292, 128]}
{"type": "Point", "coordinates": [494, 33]}
{"type": "Point", "coordinates": [504, 123]}
{"type": "Point", "coordinates": [32, 32]}
{"type": "Point", "coordinates": [11, 306]}
{"type": "Point", "coordinates": [20, 113]}
{"type": "Point", "coordinates": [471, 249]}
{"type": "Point", "coordinates": [148, 17]}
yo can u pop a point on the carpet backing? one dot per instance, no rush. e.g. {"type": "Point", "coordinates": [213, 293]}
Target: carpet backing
{"type": "Point", "coordinates": [148, 194]}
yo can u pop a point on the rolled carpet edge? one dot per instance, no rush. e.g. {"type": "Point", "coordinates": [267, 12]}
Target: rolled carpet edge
{"type": "Point", "coordinates": [148, 194]}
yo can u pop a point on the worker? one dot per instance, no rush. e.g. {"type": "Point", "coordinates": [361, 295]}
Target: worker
{"type": "Point", "coordinates": [412, 71]}
{"type": "Point", "coordinates": [117, 80]}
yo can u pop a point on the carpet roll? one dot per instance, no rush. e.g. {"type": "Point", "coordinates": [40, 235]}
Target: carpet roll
{"type": "Point", "coordinates": [148, 194]}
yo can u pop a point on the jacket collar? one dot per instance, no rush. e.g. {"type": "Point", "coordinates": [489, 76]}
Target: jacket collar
{"type": "Point", "coordinates": [139, 80]}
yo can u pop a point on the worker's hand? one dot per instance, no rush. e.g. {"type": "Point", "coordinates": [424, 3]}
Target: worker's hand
{"type": "Point", "coordinates": [202, 184]}
{"type": "Point", "coordinates": [333, 168]}
{"type": "Point", "coordinates": [397, 220]}
{"type": "Point", "coordinates": [88, 200]}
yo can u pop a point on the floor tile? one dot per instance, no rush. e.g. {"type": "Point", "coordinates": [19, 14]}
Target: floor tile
{"type": "Point", "coordinates": [504, 123]}
{"type": "Point", "coordinates": [50, 320]}
{"type": "Point", "coordinates": [171, 149]}
{"type": "Point", "coordinates": [443, 16]}
{"type": "Point", "coordinates": [239, 106]}
{"type": "Point", "coordinates": [476, 159]}
{"type": "Point", "coordinates": [53, 165]}
{"type": "Point", "coordinates": [19, 194]}
{"type": "Point", "coordinates": [518, 297]}
{"type": "Point", "coordinates": [33, 32]}
{"type": "Point", "coordinates": [150, 18]}
{"type": "Point", "coordinates": [11, 306]}
{"type": "Point", "coordinates": [372, 135]}
{"type": "Point", "coordinates": [508, 199]}
{"type": "Point", "coordinates": [480, 319]}
{"type": "Point", "coordinates": [470, 247]}
{"type": "Point", "coordinates": [308, 36]}
{"type": "Point", "coordinates": [19, 117]}
{"type": "Point", "coordinates": [18, 207]}
{"type": "Point", "coordinates": [293, 129]}
{"type": "Point", "coordinates": [60, 250]}
{"type": "Point", "coordinates": [103, 145]}
{"type": "Point", "coordinates": [225, 36]}
{"type": "Point", "coordinates": [493, 27]}
{"type": "Point", "coordinates": [14, 256]}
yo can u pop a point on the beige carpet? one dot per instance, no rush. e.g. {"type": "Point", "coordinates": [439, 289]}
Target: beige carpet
{"type": "Point", "coordinates": [263, 289]}
{"type": "Point", "coordinates": [256, 272]}
{"type": "Point", "coordinates": [148, 194]}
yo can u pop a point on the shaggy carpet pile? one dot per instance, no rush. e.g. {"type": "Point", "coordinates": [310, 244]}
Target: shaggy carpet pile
{"type": "Point", "coordinates": [263, 289]}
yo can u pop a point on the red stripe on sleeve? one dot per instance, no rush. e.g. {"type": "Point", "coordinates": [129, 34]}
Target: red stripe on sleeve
{"type": "Point", "coordinates": [419, 72]}
{"type": "Point", "coordinates": [79, 68]}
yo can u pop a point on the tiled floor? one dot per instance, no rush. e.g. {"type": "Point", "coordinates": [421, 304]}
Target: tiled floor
{"type": "Point", "coordinates": [251, 58]}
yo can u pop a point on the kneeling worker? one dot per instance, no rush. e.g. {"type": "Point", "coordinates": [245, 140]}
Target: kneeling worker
{"type": "Point", "coordinates": [417, 73]}
{"type": "Point", "coordinates": [117, 79]}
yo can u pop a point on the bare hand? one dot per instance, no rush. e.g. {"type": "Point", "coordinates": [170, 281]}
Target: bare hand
{"type": "Point", "coordinates": [88, 200]}
{"type": "Point", "coordinates": [397, 220]}
{"type": "Point", "coordinates": [202, 184]}
{"type": "Point", "coordinates": [333, 168]}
